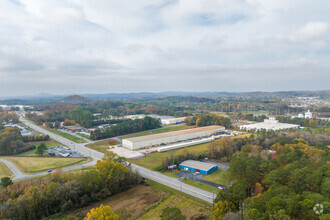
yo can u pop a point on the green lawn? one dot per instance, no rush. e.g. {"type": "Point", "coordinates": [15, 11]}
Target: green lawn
{"type": "Point", "coordinates": [30, 165]}
{"type": "Point", "coordinates": [68, 136]}
{"type": "Point", "coordinates": [201, 185]}
{"type": "Point", "coordinates": [260, 112]}
{"type": "Point", "coordinates": [220, 176]}
{"type": "Point", "coordinates": [32, 152]}
{"type": "Point", "coordinates": [101, 146]}
{"type": "Point", "coordinates": [5, 171]}
{"type": "Point", "coordinates": [84, 136]}
{"type": "Point", "coordinates": [162, 130]}
{"type": "Point", "coordinates": [154, 160]}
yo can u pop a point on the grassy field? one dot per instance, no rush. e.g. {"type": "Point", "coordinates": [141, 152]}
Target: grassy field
{"type": "Point", "coordinates": [84, 136]}
{"type": "Point", "coordinates": [170, 128]}
{"type": "Point", "coordinates": [260, 112]}
{"type": "Point", "coordinates": [201, 185]}
{"type": "Point", "coordinates": [154, 160]}
{"type": "Point", "coordinates": [145, 202]}
{"type": "Point", "coordinates": [32, 152]}
{"type": "Point", "coordinates": [220, 176]}
{"type": "Point", "coordinates": [5, 171]}
{"type": "Point", "coordinates": [68, 136]}
{"type": "Point", "coordinates": [101, 146]}
{"type": "Point", "coordinates": [30, 165]}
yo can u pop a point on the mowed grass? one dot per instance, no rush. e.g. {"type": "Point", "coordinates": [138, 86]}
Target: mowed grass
{"type": "Point", "coordinates": [32, 152]}
{"type": "Point", "coordinates": [68, 136]}
{"type": "Point", "coordinates": [220, 176]}
{"type": "Point", "coordinates": [101, 146]}
{"type": "Point", "coordinates": [259, 112]}
{"type": "Point", "coordinates": [84, 136]}
{"type": "Point", "coordinates": [5, 171]}
{"type": "Point", "coordinates": [30, 165]}
{"type": "Point", "coordinates": [200, 185]}
{"type": "Point", "coordinates": [158, 131]}
{"type": "Point", "coordinates": [153, 160]}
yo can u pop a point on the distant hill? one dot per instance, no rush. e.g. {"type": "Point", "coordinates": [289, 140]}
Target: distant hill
{"type": "Point", "coordinates": [75, 99]}
{"type": "Point", "coordinates": [45, 98]}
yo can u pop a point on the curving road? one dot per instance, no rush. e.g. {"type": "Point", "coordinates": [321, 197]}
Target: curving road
{"type": "Point", "coordinates": [146, 173]}
{"type": "Point", "coordinates": [13, 169]}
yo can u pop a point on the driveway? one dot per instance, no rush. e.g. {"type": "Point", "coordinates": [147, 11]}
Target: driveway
{"type": "Point", "coordinates": [197, 177]}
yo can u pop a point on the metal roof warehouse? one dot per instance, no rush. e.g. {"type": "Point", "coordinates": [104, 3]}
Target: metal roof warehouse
{"type": "Point", "coordinates": [197, 166]}
{"type": "Point", "coordinates": [170, 137]}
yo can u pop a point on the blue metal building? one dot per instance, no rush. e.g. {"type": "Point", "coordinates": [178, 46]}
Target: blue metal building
{"type": "Point", "coordinates": [197, 166]}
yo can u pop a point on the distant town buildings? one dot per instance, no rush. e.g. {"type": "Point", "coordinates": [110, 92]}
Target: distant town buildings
{"type": "Point", "coordinates": [304, 102]}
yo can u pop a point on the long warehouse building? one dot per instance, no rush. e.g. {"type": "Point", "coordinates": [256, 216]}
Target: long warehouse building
{"type": "Point", "coordinates": [170, 137]}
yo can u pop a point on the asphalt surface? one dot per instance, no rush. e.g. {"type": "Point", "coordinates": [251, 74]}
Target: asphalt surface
{"type": "Point", "coordinates": [146, 173]}
{"type": "Point", "coordinates": [13, 168]}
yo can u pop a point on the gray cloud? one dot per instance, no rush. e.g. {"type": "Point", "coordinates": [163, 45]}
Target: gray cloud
{"type": "Point", "coordinates": [59, 46]}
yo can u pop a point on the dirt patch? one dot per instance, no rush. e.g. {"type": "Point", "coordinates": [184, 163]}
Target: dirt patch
{"type": "Point", "coordinates": [128, 205]}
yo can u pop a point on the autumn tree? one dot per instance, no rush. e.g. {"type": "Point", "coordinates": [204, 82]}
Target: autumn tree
{"type": "Point", "coordinates": [220, 209]}
{"type": "Point", "coordinates": [101, 213]}
{"type": "Point", "coordinates": [112, 171]}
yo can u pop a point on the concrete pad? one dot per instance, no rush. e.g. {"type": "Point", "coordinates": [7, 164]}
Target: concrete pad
{"type": "Point", "coordinates": [127, 153]}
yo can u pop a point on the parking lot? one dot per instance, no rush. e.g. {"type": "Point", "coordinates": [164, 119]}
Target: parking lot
{"type": "Point", "coordinates": [61, 151]}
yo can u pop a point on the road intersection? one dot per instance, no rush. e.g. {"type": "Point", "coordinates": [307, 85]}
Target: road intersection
{"type": "Point", "coordinates": [146, 173]}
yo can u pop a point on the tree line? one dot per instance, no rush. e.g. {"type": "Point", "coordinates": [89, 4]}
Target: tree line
{"type": "Point", "coordinates": [126, 127]}
{"type": "Point", "coordinates": [11, 142]}
{"type": "Point", "coordinates": [33, 138]}
{"type": "Point", "coordinates": [61, 192]}
{"type": "Point", "coordinates": [207, 120]}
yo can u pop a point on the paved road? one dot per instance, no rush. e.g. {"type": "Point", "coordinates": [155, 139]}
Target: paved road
{"type": "Point", "coordinates": [79, 166]}
{"type": "Point", "coordinates": [13, 168]}
{"type": "Point", "coordinates": [157, 177]}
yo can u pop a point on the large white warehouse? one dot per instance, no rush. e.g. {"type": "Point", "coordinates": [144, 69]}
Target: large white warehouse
{"type": "Point", "coordinates": [268, 124]}
{"type": "Point", "coordinates": [171, 121]}
{"type": "Point", "coordinates": [170, 137]}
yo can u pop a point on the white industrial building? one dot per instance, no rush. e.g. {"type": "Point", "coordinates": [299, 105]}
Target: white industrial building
{"type": "Point", "coordinates": [172, 121]}
{"type": "Point", "coordinates": [269, 124]}
{"type": "Point", "coordinates": [170, 137]}
{"type": "Point", "coordinates": [308, 115]}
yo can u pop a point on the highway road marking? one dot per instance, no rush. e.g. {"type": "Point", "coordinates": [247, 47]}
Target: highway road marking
{"type": "Point", "coordinates": [178, 185]}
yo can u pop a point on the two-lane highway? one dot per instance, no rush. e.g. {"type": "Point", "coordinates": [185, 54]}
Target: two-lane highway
{"type": "Point", "coordinates": [146, 173]}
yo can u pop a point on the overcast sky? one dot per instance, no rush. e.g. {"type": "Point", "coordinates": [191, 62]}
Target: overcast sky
{"type": "Point", "coordinates": [92, 46]}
